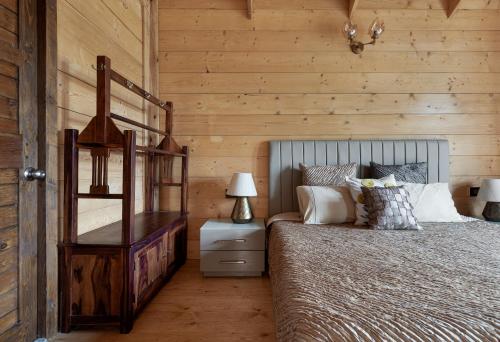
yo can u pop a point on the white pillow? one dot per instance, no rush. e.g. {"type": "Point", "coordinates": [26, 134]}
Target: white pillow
{"type": "Point", "coordinates": [324, 204]}
{"type": "Point", "coordinates": [355, 185]}
{"type": "Point", "coordinates": [432, 202]}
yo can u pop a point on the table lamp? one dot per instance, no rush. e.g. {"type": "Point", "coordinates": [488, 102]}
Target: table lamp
{"type": "Point", "coordinates": [490, 192]}
{"type": "Point", "coordinates": [242, 187]}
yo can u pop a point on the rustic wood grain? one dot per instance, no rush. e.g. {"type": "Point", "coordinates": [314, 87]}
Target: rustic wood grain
{"type": "Point", "coordinates": [47, 153]}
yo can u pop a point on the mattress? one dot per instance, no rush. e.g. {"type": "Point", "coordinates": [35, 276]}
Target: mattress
{"type": "Point", "coordinates": [345, 283]}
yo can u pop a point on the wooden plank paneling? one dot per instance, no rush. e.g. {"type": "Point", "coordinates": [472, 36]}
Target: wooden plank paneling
{"type": "Point", "coordinates": [348, 124]}
{"type": "Point", "coordinates": [248, 104]}
{"type": "Point", "coordinates": [8, 19]}
{"type": "Point", "coordinates": [129, 13]}
{"type": "Point", "coordinates": [8, 69]}
{"type": "Point", "coordinates": [9, 4]}
{"type": "Point", "coordinates": [8, 87]}
{"type": "Point", "coordinates": [325, 4]}
{"type": "Point", "coordinates": [257, 146]}
{"type": "Point", "coordinates": [293, 62]}
{"type": "Point", "coordinates": [325, 40]}
{"type": "Point", "coordinates": [354, 82]}
{"type": "Point", "coordinates": [313, 20]}
{"type": "Point", "coordinates": [10, 150]}
{"type": "Point", "coordinates": [288, 74]}
{"type": "Point", "coordinates": [428, 4]}
{"type": "Point", "coordinates": [8, 108]}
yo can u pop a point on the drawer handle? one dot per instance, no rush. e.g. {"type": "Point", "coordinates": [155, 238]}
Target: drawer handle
{"type": "Point", "coordinates": [234, 240]}
{"type": "Point", "coordinates": [3, 245]}
{"type": "Point", "coordinates": [232, 262]}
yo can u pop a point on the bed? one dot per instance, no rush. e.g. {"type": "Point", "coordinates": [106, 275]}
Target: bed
{"type": "Point", "coordinates": [340, 282]}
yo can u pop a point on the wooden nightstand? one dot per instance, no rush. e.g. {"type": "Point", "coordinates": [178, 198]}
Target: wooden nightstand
{"type": "Point", "coordinates": [230, 249]}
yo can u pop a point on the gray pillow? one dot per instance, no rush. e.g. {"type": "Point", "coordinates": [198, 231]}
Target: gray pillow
{"type": "Point", "coordinates": [327, 175]}
{"type": "Point", "coordinates": [389, 208]}
{"type": "Point", "coordinates": [409, 173]}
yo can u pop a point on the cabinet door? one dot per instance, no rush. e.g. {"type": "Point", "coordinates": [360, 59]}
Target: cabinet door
{"type": "Point", "coordinates": [147, 267]}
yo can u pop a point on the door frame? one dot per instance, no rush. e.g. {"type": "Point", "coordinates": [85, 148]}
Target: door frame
{"type": "Point", "coordinates": [48, 232]}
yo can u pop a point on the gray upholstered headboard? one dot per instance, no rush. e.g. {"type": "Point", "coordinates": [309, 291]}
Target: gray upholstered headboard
{"type": "Point", "coordinates": [285, 156]}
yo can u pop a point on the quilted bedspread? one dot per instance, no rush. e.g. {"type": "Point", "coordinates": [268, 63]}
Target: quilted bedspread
{"type": "Point", "coordinates": [340, 283]}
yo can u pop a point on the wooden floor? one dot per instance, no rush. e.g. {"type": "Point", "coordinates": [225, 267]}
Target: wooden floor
{"type": "Point", "coordinates": [193, 308]}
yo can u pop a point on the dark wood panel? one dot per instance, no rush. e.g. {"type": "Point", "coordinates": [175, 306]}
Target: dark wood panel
{"type": "Point", "coordinates": [9, 176]}
{"type": "Point", "coordinates": [8, 239]}
{"type": "Point", "coordinates": [8, 194]}
{"type": "Point", "coordinates": [8, 19]}
{"type": "Point", "coordinates": [8, 37]}
{"type": "Point", "coordinates": [9, 4]}
{"type": "Point", "coordinates": [10, 53]}
{"type": "Point", "coordinates": [96, 285]}
{"type": "Point", "coordinates": [8, 126]}
{"type": "Point", "coordinates": [8, 108]}
{"type": "Point", "coordinates": [8, 301]}
{"type": "Point", "coordinates": [7, 321]}
{"type": "Point", "coordinates": [8, 280]}
{"type": "Point", "coordinates": [10, 146]}
{"type": "Point", "coordinates": [8, 87]}
{"type": "Point", "coordinates": [48, 227]}
{"type": "Point", "coordinates": [145, 225]}
{"type": "Point", "coordinates": [8, 216]}
{"type": "Point", "coordinates": [8, 69]}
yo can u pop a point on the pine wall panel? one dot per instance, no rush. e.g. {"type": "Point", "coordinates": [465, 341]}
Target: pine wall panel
{"type": "Point", "coordinates": [287, 73]}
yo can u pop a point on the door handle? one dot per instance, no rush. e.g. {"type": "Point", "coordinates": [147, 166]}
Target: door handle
{"type": "Point", "coordinates": [233, 240]}
{"type": "Point", "coordinates": [232, 261]}
{"type": "Point", "coordinates": [30, 174]}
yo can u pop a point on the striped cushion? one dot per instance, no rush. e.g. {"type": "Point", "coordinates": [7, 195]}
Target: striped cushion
{"type": "Point", "coordinates": [327, 175]}
{"type": "Point", "coordinates": [409, 173]}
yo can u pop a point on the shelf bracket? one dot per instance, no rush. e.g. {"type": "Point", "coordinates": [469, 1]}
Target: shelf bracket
{"type": "Point", "coordinates": [249, 9]}
{"type": "Point", "coordinates": [353, 4]}
{"type": "Point", "coordinates": [453, 6]}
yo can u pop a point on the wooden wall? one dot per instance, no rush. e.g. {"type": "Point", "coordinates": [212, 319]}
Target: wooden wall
{"type": "Point", "coordinates": [288, 73]}
{"type": "Point", "coordinates": [87, 29]}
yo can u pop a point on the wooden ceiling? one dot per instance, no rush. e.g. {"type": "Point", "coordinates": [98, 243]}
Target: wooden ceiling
{"type": "Point", "coordinates": [351, 6]}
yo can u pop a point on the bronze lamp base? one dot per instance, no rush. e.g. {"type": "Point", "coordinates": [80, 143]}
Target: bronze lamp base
{"type": "Point", "coordinates": [242, 211]}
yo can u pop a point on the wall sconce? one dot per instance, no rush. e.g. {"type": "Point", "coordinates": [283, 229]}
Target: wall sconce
{"type": "Point", "coordinates": [351, 31]}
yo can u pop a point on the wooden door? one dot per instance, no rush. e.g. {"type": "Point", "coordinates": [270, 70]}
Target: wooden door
{"type": "Point", "coordinates": [18, 150]}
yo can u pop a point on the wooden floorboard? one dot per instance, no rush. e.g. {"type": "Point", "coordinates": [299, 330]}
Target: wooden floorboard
{"type": "Point", "coordinates": [193, 308]}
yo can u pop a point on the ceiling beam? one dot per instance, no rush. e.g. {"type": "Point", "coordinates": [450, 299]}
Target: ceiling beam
{"type": "Point", "coordinates": [249, 8]}
{"type": "Point", "coordinates": [452, 7]}
{"type": "Point", "coordinates": [353, 4]}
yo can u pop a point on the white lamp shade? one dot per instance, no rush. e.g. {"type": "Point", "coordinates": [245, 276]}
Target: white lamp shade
{"type": "Point", "coordinates": [242, 185]}
{"type": "Point", "coordinates": [490, 190]}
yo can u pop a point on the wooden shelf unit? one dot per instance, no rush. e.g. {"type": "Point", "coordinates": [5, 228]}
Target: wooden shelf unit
{"type": "Point", "coordinates": [108, 275]}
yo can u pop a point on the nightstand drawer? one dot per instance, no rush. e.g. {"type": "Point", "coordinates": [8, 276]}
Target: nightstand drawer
{"type": "Point", "coordinates": [232, 261]}
{"type": "Point", "coordinates": [232, 239]}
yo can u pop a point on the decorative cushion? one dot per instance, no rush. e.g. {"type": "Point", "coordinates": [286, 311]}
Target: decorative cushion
{"type": "Point", "coordinates": [327, 175]}
{"type": "Point", "coordinates": [324, 204]}
{"type": "Point", "coordinates": [432, 202]}
{"type": "Point", "coordinates": [411, 173]}
{"type": "Point", "coordinates": [389, 208]}
{"type": "Point", "coordinates": [355, 185]}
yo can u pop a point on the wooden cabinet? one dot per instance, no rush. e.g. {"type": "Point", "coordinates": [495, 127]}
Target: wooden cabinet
{"type": "Point", "coordinates": [157, 261]}
{"type": "Point", "coordinates": [100, 271]}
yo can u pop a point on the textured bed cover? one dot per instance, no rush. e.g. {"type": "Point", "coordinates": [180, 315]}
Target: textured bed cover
{"type": "Point", "coordinates": [340, 283]}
